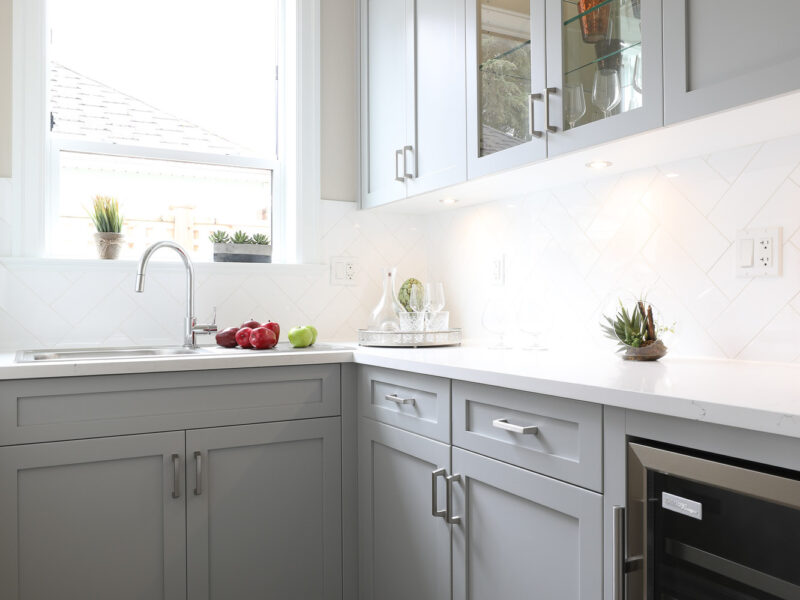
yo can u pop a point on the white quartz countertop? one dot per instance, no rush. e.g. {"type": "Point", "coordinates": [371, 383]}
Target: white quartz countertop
{"type": "Point", "coordinates": [758, 396]}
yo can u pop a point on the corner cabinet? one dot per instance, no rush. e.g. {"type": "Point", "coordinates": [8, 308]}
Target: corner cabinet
{"type": "Point", "coordinates": [413, 111]}
{"type": "Point", "coordinates": [719, 54]}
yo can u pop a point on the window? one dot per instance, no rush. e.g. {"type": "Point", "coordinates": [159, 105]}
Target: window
{"type": "Point", "coordinates": [172, 107]}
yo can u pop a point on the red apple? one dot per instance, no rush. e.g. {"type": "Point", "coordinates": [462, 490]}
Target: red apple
{"type": "Point", "coordinates": [262, 338]}
{"type": "Point", "coordinates": [276, 329]}
{"type": "Point", "coordinates": [243, 337]}
{"type": "Point", "coordinates": [227, 337]}
{"type": "Point", "coordinates": [252, 324]}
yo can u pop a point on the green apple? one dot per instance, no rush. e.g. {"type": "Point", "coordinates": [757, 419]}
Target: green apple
{"type": "Point", "coordinates": [301, 337]}
{"type": "Point", "coordinates": [313, 334]}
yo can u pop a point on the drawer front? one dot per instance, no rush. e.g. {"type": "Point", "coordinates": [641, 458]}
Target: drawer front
{"type": "Point", "coordinates": [557, 437]}
{"type": "Point", "coordinates": [37, 410]}
{"type": "Point", "coordinates": [418, 403]}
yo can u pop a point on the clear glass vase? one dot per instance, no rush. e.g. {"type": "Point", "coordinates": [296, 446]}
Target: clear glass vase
{"type": "Point", "coordinates": [384, 315]}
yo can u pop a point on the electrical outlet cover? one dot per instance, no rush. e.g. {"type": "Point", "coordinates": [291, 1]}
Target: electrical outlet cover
{"type": "Point", "coordinates": [344, 270]}
{"type": "Point", "coordinates": [759, 252]}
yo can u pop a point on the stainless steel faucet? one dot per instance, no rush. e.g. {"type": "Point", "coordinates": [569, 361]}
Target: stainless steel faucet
{"type": "Point", "coordinates": [191, 328]}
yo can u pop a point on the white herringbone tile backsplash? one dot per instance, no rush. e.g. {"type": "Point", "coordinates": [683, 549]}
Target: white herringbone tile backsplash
{"type": "Point", "coordinates": [47, 304]}
{"type": "Point", "coordinates": [666, 231]}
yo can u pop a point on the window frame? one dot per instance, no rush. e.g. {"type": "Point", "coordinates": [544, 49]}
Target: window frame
{"type": "Point", "coordinates": [295, 173]}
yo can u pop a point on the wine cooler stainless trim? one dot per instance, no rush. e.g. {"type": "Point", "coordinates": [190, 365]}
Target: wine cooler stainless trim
{"type": "Point", "coordinates": [739, 480]}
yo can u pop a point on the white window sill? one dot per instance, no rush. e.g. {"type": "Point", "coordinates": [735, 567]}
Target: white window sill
{"type": "Point", "coordinates": [92, 264]}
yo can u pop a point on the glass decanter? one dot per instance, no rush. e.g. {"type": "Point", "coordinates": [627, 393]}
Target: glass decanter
{"type": "Point", "coordinates": [384, 315]}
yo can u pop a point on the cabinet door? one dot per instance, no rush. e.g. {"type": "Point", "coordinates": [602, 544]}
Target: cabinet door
{"type": "Point", "coordinates": [523, 535]}
{"type": "Point", "coordinates": [93, 519]}
{"type": "Point", "coordinates": [404, 550]}
{"type": "Point", "coordinates": [385, 91]}
{"type": "Point", "coordinates": [720, 54]}
{"type": "Point", "coordinates": [264, 511]}
{"type": "Point", "coordinates": [436, 118]}
{"type": "Point", "coordinates": [505, 69]}
{"type": "Point", "coordinates": [604, 72]}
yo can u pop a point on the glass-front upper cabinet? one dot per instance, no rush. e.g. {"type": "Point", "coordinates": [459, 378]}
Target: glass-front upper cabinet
{"type": "Point", "coordinates": [603, 71]}
{"type": "Point", "coordinates": [505, 73]}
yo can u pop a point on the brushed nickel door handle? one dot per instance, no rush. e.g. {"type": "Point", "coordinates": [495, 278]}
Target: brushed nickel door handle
{"type": "Point", "coordinates": [198, 473]}
{"type": "Point", "coordinates": [397, 156]}
{"type": "Point", "coordinates": [531, 126]}
{"type": "Point", "coordinates": [547, 92]}
{"type": "Point", "coordinates": [435, 493]}
{"type": "Point", "coordinates": [399, 401]}
{"type": "Point", "coordinates": [451, 518]}
{"type": "Point", "coordinates": [524, 429]}
{"type": "Point", "coordinates": [176, 475]}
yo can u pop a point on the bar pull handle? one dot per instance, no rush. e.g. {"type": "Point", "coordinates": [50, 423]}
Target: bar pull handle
{"type": "Point", "coordinates": [618, 553]}
{"type": "Point", "coordinates": [525, 429]}
{"type": "Point", "coordinates": [400, 401]}
{"type": "Point", "coordinates": [198, 473]}
{"type": "Point", "coordinates": [435, 493]}
{"type": "Point", "coordinates": [451, 518]}
{"type": "Point", "coordinates": [531, 127]}
{"type": "Point", "coordinates": [176, 475]}
{"type": "Point", "coordinates": [397, 175]}
{"type": "Point", "coordinates": [547, 92]}
{"type": "Point", "coordinates": [406, 174]}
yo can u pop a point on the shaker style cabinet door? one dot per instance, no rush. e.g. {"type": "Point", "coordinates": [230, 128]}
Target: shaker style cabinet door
{"type": "Point", "coordinates": [404, 550]}
{"type": "Point", "coordinates": [437, 112]}
{"type": "Point", "coordinates": [719, 54]}
{"type": "Point", "coordinates": [100, 518]}
{"type": "Point", "coordinates": [522, 535]}
{"type": "Point", "coordinates": [386, 83]}
{"type": "Point", "coordinates": [264, 511]}
{"type": "Point", "coordinates": [604, 71]}
{"type": "Point", "coordinates": [505, 79]}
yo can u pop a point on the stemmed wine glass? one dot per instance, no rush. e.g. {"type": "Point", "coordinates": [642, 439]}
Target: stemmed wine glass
{"type": "Point", "coordinates": [498, 320]}
{"type": "Point", "coordinates": [434, 297]}
{"type": "Point", "coordinates": [416, 298]}
{"type": "Point", "coordinates": [606, 91]}
{"type": "Point", "coordinates": [637, 73]}
{"type": "Point", "coordinates": [574, 103]}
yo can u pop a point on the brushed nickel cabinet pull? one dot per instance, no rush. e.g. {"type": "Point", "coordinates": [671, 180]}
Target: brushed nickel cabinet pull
{"type": "Point", "coordinates": [198, 473]}
{"type": "Point", "coordinates": [435, 494]}
{"type": "Point", "coordinates": [176, 475]}
{"type": "Point", "coordinates": [506, 426]}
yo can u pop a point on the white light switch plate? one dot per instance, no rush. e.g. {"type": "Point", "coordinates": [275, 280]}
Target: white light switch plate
{"type": "Point", "coordinates": [759, 252]}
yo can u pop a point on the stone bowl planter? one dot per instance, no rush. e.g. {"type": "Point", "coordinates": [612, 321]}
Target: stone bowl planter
{"type": "Point", "coordinates": [108, 244]}
{"type": "Point", "coordinates": [650, 352]}
{"type": "Point", "coordinates": [248, 253]}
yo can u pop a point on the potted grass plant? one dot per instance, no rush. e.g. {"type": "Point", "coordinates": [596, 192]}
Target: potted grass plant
{"type": "Point", "coordinates": [241, 247]}
{"type": "Point", "coordinates": [107, 220]}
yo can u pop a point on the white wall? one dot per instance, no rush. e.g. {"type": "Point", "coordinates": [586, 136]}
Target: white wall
{"type": "Point", "coordinates": [572, 250]}
{"type": "Point", "coordinates": [5, 88]}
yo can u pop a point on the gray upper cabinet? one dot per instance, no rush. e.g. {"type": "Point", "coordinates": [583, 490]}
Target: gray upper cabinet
{"type": "Point", "coordinates": [264, 511]}
{"type": "Point", "coordinates": [413, 109]}
{"type": "Point", "coordinates": [100, 518]}
{"type": "Point", "coordinates": [719, 54]}
{"type": "Point", "coordinates": [5, 88]}
{"type": "Point", "coordinates": [522, 535]}
{"type": "Point", "coordinates": [404, 549]}
{"type": "Point", "coordinates": [604, 72]}
{"type": "Point", "coordinates": [505, 70]}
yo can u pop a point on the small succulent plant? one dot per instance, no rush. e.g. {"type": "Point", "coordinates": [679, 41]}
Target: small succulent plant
{"type": "Point", "coordinates": [105, 214]}
{"type": "Point", "coordinates": [260, 239]}
{"type": "Point", "coordinates": [219, 237]}
{"type": "Point", "coordinates": [240, 237]}
{"type": "Point", "coordinates": [634, 328]}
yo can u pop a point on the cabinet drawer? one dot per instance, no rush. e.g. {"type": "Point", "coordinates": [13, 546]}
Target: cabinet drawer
{"type": "Point", "coordinates": [418, 403]}
{"type": "Point", "coordinates": [554, 436]}
{"type": "Point", "coordinates": [37, 410]}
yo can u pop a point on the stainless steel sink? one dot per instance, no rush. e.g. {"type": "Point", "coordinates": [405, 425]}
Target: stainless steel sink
{"type": "Point", "coordinates": [87, 354]}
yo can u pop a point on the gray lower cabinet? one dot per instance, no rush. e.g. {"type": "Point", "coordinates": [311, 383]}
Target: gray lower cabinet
{"type": "Point", "coordinates": [101, 518]}
{"type": "Point", "coordinates": [264, 511]}
{"type": "Point", "coordinates": [720, 54]}
{"type": "Point", "coordinates": [522, 535]}
{"type": "Point", "coordinates": [404, 550]}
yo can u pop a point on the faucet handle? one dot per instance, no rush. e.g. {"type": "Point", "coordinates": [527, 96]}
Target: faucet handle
{"type": "Point", "coordinates": [207, 329]}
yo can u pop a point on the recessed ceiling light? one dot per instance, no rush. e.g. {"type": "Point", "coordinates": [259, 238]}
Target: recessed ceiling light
{"type": "Point", "coordinates": [672, 175]}
{"type": "Point", "coordinates": [599, 164]}
{"type": "Point", "coordinates": [449, 200]}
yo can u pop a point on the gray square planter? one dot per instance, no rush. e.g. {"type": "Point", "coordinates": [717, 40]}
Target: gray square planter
{"type": "Point", "coordinates": [248, 253]}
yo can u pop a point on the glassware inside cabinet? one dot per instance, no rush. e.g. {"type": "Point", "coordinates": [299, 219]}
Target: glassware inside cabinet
{"type": "Point", "coordinates": [602, 58]}
{"type": "Point", "coordinates": [504, 74]}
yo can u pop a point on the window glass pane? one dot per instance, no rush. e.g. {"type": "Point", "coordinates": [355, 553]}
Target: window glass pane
{"type": "Point", "coordinates": [159, 200]}
{"type": "Point", "coordinates": [207, 63]}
